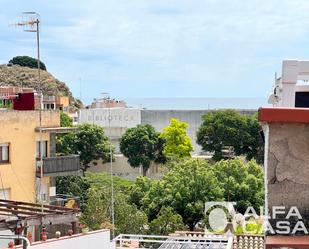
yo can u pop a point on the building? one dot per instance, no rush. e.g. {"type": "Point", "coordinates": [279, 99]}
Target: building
{"type": "Point", "coordinates": [286, 130]}
{"type": "Point", "coordinates": [107, 102]}
{"type": "Point", "coordinates": [9, 96]}
{"type": "Point", "coordinates": [116, 121]}
{"type": "Point", "coordinates": [19, 152]}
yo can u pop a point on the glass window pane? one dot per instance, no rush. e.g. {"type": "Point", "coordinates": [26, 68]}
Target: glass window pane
{"type": "Point", "coordinates": [5, 153]}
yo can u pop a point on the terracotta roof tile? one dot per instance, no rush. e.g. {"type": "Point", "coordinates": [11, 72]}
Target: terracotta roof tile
{"type": "Point", "coordinates": [248, 242]}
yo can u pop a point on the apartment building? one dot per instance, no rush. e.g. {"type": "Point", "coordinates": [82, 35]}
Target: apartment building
{"type": "Point", "coordinates": [19, 152]}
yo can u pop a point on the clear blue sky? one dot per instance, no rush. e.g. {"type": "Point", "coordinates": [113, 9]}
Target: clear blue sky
{"type": "Point", "coordinates": [162, 48]}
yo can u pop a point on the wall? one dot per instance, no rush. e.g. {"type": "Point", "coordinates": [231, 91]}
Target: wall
{"type": "Point", "coordinates": [123, 169]}
{"type": "Point", "coordinates": [161, 118]}
{"type": "Point", "coordinates": [288, 166]}
{"type": "Point", "coordinates": [96, 239]}
{"type": "Point", "coordinates": [17, 128]}
{"type": "Point", "coordinates": [124, 118]}
{"type": "Point", "coordinates": [115, 121]}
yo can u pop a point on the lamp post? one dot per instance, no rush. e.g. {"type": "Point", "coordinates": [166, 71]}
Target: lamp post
{"type": "Point", "coordinates": [32, 24]}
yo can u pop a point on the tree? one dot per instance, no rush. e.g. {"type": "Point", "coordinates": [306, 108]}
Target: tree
{"type": "Point", "coordinates": [185, 189]}
{"type": "Point", "coordinates": [27, 61]}
{"type": "Point", "coordinates": [65, 120]}
{"type": "Point", "coordinates": [95, 213]}
{"type": "Point", "coordinates": [74, 186]}
{"type": "Point", "coordinates": [241, 182]}
{"type": "Point", "coordinates": [128, 219]}
{"type": "Point", "coordinates": [177, 142]}
{"type": "Point", "coordinates": [230, 128]}
{"type": "Point", "coordinates": [142, 145]}
{"type": "Point", "coordinates": [166, 222]}
{"type": "Point", "coordinates": [89, 142]}
{"type": "Point", "coordinates": [141, 186]}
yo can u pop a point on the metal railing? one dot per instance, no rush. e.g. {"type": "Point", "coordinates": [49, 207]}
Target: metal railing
{"type": "Point", "coordinates": [123, 241]}
{"type": "Point", "coordinates": [61, 165]}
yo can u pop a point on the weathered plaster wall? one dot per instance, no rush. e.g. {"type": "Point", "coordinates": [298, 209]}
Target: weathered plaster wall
{"type": "Point", "coordinates": [288, 166]}
{"type": "Point", "coordinates": [18, 129]}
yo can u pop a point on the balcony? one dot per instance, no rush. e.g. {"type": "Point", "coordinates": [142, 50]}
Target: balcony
{"type": "Point", "coordinates": [60, 166]}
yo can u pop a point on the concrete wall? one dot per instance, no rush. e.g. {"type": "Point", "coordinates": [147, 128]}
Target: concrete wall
{"type": "Point", "coordinates": [96, 239]}
{"type": "Point", "coordinates": [161, 118]}
{"type": "Point", "coordinates": [18, 129]}
{"type": "Point", "coordinates": [288, 167]}
{"type": "Point", "coordinates": [122, 168]}
{"type": "Point", "coordinates": [123, 118]}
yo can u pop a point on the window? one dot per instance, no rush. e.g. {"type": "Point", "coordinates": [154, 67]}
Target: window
{"type": "Point", "coordinates": [4, 153]}
{"type": "Point", "coordinates": [42, 148]}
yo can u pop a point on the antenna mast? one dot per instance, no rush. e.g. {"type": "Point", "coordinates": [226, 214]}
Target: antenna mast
{"type": "Point", "coordinates": [31, 23]}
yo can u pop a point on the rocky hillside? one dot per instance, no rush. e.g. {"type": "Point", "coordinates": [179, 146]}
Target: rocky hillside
{"type": "Point", "coordinates": [15, 75]}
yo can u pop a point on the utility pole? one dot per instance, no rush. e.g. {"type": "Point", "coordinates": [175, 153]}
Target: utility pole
{"type": "Point", "coordinates": [111, 172]}
{"type": "Point", "coordinates": [32, 24]}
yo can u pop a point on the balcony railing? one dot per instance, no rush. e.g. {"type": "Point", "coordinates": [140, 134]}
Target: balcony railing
{"type": "Point", "coordinates": [60, 166]}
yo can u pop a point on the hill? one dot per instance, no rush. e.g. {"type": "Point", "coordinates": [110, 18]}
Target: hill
{"type": "Point", "coordinates": [15, 75]}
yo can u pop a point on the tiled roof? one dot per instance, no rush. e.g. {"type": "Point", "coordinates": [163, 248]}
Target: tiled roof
{"type": "Point", "coordinates": [249, 242]}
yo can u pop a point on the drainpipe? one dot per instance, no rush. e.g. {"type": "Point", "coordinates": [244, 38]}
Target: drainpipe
{"type": "Point", "coordinates": [26, 243]}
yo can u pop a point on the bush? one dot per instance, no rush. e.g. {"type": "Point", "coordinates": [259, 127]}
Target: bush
{"type": "Point", "coordinates": [27, 61]}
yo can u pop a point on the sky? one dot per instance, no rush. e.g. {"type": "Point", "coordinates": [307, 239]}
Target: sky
{"type": "Point", "coordinates": [161, 48]}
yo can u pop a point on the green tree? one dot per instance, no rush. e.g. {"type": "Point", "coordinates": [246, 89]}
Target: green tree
{"type": "Point", "coordinates": [230, 128]}
{"type": "Point", "coordinates": [141, 186]}
{"type": "Point", "coordinates": [128, 219]}
{"type": "Point", "coordinates": [177, 142]}
{"type": "Point", "coordinates": [27, 61]}
{"type": "Point", "coordinates": [95, 213]}
{"type": "Point", "coordinates": [241, 182]}
{"type": "Point", "coordinates": [166, 222]}
{"type": "Point", "coordinates": [74, 186]}
{"type": "Point", "coordinates": [185, 188]}
{"type": "Point", "coordinates": [89, 142]}
{"type": "Point", "coordinates": [142, 145]}
{"type": "Point", "coordinates": [65, 120]}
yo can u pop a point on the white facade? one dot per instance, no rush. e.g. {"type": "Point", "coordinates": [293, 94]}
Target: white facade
{"type": "Point", "coordinates": [285, 88]}
{"type": "Point", "coordinates": [91, 240]}
{"type": "Point", "coordinates": [111, 117]}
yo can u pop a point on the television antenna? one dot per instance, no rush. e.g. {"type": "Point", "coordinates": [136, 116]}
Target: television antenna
{"type": "Point", "coordinates": [31, 23]}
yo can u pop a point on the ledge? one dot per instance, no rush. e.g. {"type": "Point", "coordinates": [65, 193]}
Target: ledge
{"type": "Point", "coordinates": [287, 241]}
{"type": "Point", "coordinates": [284, 115]}
{"type": "Point", "coordinates": [57, 130]}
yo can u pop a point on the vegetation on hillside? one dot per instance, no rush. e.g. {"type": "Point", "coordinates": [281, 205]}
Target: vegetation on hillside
{"type": "Point", "coordinates": [27, 61]}
{"type": "Point", "coordinates": [19, 76]}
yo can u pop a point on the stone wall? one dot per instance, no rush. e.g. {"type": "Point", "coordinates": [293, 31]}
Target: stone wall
{"type": "Point", "coordinates": [288, 168]}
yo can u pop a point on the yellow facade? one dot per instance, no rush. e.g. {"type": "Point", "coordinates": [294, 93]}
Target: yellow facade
{"type": "Point", "coordinates": [17, 128]}
{"type": "Point", "coordinates": [63, 103]}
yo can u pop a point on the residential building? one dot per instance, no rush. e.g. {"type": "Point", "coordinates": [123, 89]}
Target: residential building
{"type": "Point", "coordinates": [9, 96]}
{"type": "Point", "coordinates": [286, 130]}
{"type": "Point", "coordinates": [107, 102]}
{"type": "Point", "coordinates": [19, 152]}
